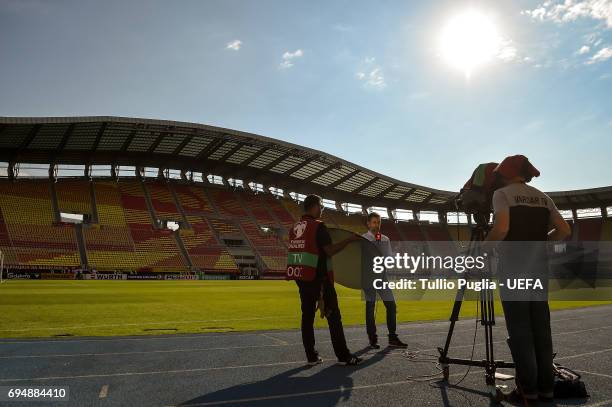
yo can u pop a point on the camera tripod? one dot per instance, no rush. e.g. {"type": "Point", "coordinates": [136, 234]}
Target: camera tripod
{"type": "Point", "coordinates": [487, 311]}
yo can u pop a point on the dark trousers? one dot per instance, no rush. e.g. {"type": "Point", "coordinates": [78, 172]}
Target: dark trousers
{"type": "Point", "coordinates": [310, 292]}
{"type": "Point", "coordinates": [528, 324]}
{"type": "Point", "coordinates": [389, 301]}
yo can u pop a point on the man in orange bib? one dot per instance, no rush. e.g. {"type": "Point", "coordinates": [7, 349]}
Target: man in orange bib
{"type": "Point", "coordinates": [308, 263]}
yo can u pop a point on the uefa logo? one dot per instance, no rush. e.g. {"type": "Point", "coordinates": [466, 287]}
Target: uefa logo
{"type": "Point", "coordinates": [299, 228]}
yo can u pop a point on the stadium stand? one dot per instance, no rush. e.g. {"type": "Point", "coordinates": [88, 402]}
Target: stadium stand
{"type": "Point", "coordinates": [278, 210]}
{"type": "Point", "coordinates": [192, 199]}
{"type": "Point", "coordinates": [606, 230]}
{"type": "Point", "coordinates": [73, 196]}
{"type": "Point", "coordinates": [203, 248]}
{"type": "Point", "coordinates": [227, 202]}
{"type": "Point", "coordinates": [354, 223]}
{"type": "Point", "coordinates": [268, 245]}
{"type": "Point", "coordinates": [126, 214]}
{"type": "Point", "coordinates": [154, 249]}
{"type": "Point", "coordinates": [123, 236]}
{"type": "Point", "coordinates": [460, 233]}
{"type": "Point", "coordinates": [109, 243]}
{"type": "Point", "coordinates": [410, 231]}
{"type": "Point", "coordinates": [225, 228]}
{"type": "Point", "coordinates": [589, 229]}
{"type": "Point", "coordinates": [6, 246]}
{"type": "Point", "coordinates": [389, 228]}
{"type": "Point", "coordinates": [163, 201]}
{"type": "Point", "coordinates": [36, 238]}
{"type": "Point", "coordinates": [257, 205]}
{"type": "Point", "coordinates": [292, 208]}
{"type": "Point", "coordinates": [435, 232]}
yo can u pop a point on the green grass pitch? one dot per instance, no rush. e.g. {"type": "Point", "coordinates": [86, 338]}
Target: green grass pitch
{"type": "Point", "coordinates": [101, 308]}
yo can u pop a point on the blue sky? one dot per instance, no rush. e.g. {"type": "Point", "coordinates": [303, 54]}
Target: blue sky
{"type": "Point", "coordinates": [365, 81]}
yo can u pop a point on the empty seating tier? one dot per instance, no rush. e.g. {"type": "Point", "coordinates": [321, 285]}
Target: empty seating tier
{"type": "Point", "coordinates": [589, 229]}
{"type": "Point", "coordinates": [410, 231]}
{"type": "Point", "coordinates": [192, 199]}
{"type": "Point", "coordinates": [28, 224]}
{"type": "Point", "coordinates": [227, 202]}
{"type": "Point", "coordinates": [163, 201]}
{"type": "Point", "coordinates": [73, 196]}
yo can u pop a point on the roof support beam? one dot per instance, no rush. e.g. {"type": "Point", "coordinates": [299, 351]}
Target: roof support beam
{"type": "Point", "coordinates": [99, 136]}
{"type": "Point", "coordinates": [406, 195]}
{"type": "Point", "coordinates": [212, 146]}
{"type": "Point", "coordinates": [231, 151]}
{"type": "Point", "coordinates": [11, 171]}
{"type": "Point", "coordinates": [63, 143]}
{"type": "Point", "coordinates": [317, 174]}
{"type": "Point", "coordinates": [181, 146]}
{"type": "Point", "coordinates": [256, 155]}
{"type": "Point", "coordinates": [382, 193]}
{"type": "Point", "coordinates": [157, 141]}
{"type": "Point", "coordinates": [245, 169]}
{"type": "Point", "coordinates": [130, 138]}
{"type": "Point", "coordinates": [426, 200]}
{"type": "Point", "coordinates": [342, 179]}
{"type": "Point", "coordinates": [364, 186]}
{"type": "Point", "coordinates": [276, 161]}
{"type": "Point", "coordinates": [26, 142]}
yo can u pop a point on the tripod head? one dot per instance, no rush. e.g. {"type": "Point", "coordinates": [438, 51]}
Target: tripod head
{"type": "Point", "coordinates": [482, 226]}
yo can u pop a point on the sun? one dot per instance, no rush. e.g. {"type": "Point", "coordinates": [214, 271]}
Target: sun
{"type": "Point", "coordinates": [468, 41]}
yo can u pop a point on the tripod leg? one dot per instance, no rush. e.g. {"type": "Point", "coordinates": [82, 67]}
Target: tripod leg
{"type": "Point", "coordinates": [488, 320]}
{"type": "Point", "coordinates": [453, 319]}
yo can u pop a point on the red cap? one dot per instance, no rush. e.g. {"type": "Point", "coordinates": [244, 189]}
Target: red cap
{"type": "Point", "coordinates": [517, 166]}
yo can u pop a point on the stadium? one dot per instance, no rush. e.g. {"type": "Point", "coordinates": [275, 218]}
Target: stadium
{"type": "Point", "coordinates": [113, 198]}
{"type": "Point", "coordinates": [140, 197]}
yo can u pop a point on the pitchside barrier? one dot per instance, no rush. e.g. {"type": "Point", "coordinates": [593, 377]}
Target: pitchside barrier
{"type": "Point", "coordinates": [35, 275]}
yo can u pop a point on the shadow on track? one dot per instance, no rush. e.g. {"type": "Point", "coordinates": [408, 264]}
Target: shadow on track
{"type": "Point", "coordinates": [329, 386]}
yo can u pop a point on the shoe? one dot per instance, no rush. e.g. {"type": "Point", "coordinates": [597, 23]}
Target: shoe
{"type": "Point", "coordinates": [374, 342]}
{"type": "Point", "coordinates": [516, 397]}
{"type": "Point", "coordinates": [394, 342]}
{"type": "Point", "coordinates": [316, 361]}
{"type": "Point", "coordinates": [352, 361]}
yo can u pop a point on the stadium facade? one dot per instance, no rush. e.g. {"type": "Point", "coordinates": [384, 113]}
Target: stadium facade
{"type": "Point", "coordinates": [116, 194]}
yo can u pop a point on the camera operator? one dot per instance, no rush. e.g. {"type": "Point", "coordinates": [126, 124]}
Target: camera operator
{"type": "Point", "coordinates": [522, 213]}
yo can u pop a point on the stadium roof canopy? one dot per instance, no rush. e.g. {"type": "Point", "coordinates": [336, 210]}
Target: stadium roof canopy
{"type": "Point", "coordinates": [105, 140]}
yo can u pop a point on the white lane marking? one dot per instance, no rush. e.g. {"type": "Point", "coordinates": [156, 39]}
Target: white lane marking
{"type": "Point", "coordinates": [68, 355]}
{"type": "Point", "coordinates": [607, 376]}
{"type": "Point", "coordinates": [103, 392]}
{"type": "Point", "coordinates": [596, 352]}
{"type": "Point", "coordinates": [259, 365]}
{"type": "Point", "coordinates": [119, 339]}
{"type": "Point", "coordinates": [280, 343]}
{"type": "Point", "coordinates": [605, 403]}
{"type": "Point", "coordinates": [154, 372]}
{"type": "Point", "coordinates": [200, 336]}
{"type": "Point", "coordinates": [274, 339]}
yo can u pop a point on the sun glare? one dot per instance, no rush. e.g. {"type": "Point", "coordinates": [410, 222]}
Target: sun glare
{"type": "Point", "coordinates": [468, 41]}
